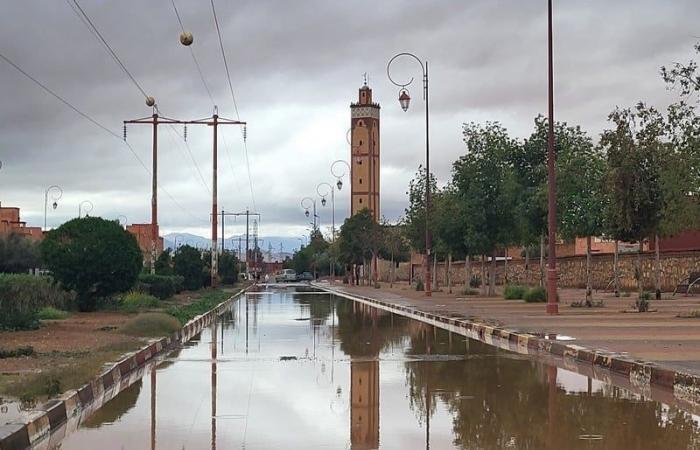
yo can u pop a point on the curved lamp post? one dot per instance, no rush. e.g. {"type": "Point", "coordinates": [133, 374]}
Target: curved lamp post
{"type": "Point", "coordinates": [405, 101]}
{"type": "Point", "coordinates": [307, 203]}
{"type": "Point", "coordinates": [56, 194]}
{"type": "Point", "coordinates": [323, 203]}
{"type": "Point", "coordinates": [88, 208]}
{"type": "Point", "coordinates": [339, 175]}
{"type": "Point", "coordinates": [119, 219]}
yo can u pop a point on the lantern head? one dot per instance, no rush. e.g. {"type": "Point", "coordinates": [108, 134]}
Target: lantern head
{"type": "Point", "coordinates": [340, 184]}
{"type": "Point", "coordinates": [404, 99]}
{"type": "Point", "coordinates": [323, 201]}
{"type": "Point", "coordinates": [55, 205]}
{"type": "Point", "coordinates": [306, 213]}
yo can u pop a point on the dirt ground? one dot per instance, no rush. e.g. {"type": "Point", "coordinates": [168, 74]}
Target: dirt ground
{"type": "Point", "coordinates": [660, 336]}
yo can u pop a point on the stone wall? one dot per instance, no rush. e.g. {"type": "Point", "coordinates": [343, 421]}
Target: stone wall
{"type": "Point", "coordinates": [675, 266]}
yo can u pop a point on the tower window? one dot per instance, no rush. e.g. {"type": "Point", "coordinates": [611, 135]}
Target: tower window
{"type": "Point", "coordinates": [360, 200]}
{"type": "Point", "coordinates": [360, 180]}
{"type": "Point", "coordinates": [360, 142]}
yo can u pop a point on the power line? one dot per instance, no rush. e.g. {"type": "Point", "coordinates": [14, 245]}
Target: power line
{"type": "Point", "coordinates": [94, 122]}
{"type": "Point", "coordinates": [233, 97]}
{"type": "Point", "coordinates": [107, 46]}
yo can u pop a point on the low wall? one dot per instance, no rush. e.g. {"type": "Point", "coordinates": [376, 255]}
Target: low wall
{"type": "Point", "coordinates": [675, 266]}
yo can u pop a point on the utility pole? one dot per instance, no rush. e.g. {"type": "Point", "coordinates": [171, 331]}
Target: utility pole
{"type": "Point", "coordinates": [154, 120]}
{"type": "Point", "coordinates": [223, 236]}
{"type": "Point", "coordinates": [552, 305]}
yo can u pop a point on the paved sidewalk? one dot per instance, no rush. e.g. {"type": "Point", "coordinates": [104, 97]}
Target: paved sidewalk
{"type": "Point", "coordinates": [660, 336]}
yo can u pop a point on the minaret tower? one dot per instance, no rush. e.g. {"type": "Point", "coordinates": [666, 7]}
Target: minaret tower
{"type": "Point", "coordinates": [364, 149]}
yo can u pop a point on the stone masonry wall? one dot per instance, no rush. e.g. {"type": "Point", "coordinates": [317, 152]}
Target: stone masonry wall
{"type": "Point", "coordinates": [675, 266]}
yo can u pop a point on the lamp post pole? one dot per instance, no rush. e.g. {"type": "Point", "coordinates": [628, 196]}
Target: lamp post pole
{"type": "Point", "coordinates": [404, 100]}
{"type": "Point", "coordinates": [304, 202]}
{"type": "Point", "coordinates": [323, 203]}
{"type": "Point", "coordinates": [552, 306]}
{"type": "Point", "coordinates": [55, 197]}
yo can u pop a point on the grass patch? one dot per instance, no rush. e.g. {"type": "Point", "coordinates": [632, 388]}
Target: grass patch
{"type": "Point", "coordinates": [51, 313]}
{"type": "Point", "coordinates": [514, 292]}
{"type": "Point", "coordinates": [17, 352]}
{"type": "Point", "coordinates": [535, 295]}
{"type": "Point", "coordinates": [152, 324]}
{"type": "Point", "coordinates": [209, 299]}
{"type": "Point", "coordinates": [136, 301]}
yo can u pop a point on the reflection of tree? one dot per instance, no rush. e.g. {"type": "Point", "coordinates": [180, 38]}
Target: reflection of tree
{"type": "Point", "coordinates": [115, 408]}
{"type": "Point", "coordinates": [502, 402]}
{"type": "Point", "coordinates": [319, 305]}
{"type": "Point", "coordinates": [364, 331]}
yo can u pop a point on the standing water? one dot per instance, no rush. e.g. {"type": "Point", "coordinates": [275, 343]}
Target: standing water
{"type": "Point", "coordinates": [299, 369]}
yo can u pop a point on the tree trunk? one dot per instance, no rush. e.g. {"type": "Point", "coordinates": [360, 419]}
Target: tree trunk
{"type": "Point", "coordinates": [467, 274]}
{"type": "Point", "coordinates": [505, 267]}
{"type": "Point", "coordinates": [589, 294]}
{"type": "Point", "coordinates": [391, 274]}
{"type": "Point", "coordinates": [375, 270]}
{"type": "Point", "coordinates": [542, 260]}
{"type": "Point", "coordinates": [657, 268]}
{"type": "Point", "coordinates": [492, 275]}
{"type": "Point", "coordinates": [616, 276]}
{"type": "Point", "coordinates": [449, 273]}
{"type": "Point", "coordinates": [527, 266]}
{"type": "Point", "coordinates": [640, 288]}
{"type": "Point", "coordinates": [483, 275]}
{"type": "Point", "coordinates": [436, 287]}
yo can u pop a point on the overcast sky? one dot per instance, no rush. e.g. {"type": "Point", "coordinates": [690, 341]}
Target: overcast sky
{"type": "Point", "coordinates": [295, 67]}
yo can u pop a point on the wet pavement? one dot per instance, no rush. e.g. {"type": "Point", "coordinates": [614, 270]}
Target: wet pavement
{"type": "Point", "coordinates": [293, 369]}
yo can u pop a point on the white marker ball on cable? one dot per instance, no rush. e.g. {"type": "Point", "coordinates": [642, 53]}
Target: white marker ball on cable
{"type": "Point", "coordinates": [150, 101]}
{"type": "Point", "coordinates": [186, 38]}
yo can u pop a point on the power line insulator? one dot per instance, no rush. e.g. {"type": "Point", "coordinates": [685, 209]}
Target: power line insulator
{"type": "Point", "coordinates": [186, 38]}
{"type": "Point", "coordinates": [124, 132]}
{"type": "Point", "coordinates": [150, 101]}
{"type": "Point", "coordinates": [184, 132]}
{"type": "Point", "coordinates": [245, 133]}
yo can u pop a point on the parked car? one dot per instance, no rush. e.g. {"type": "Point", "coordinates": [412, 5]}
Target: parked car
{"type": "Point", "coordinates": [305, 276]}
{"type": "Point", "coordinates": [286, 276]}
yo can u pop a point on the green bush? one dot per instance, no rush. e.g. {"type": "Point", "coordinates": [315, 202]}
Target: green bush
{"type": "Point", "coordinates": [188, 264]}
{"type": "Point", "coordinates": [94, 257]}
{"type": "Point", "coordinates": [419, 285]}
{"type": "Point", "coordinates": [151, 324]}
{"type": "Point", "coordinates": [51, 313]}
{"type": "Point", "coordinates": [161, 286]}
{"type": "Point", "coordinates": [514, 292]}
{"type": "Point", "coordinates": [535, 295]}
{"type": "Point", "coordinates": [17, 352]}
{"type": "Point", "coordinates": [23, 295]}
{"type": "Point", "coordinates": [475, 281]}
{"type": "Point", "coordinates": [135, 301]}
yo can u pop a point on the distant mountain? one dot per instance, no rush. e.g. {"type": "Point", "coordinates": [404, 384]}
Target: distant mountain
{"type": "Point", "coordinates": [289, 244]}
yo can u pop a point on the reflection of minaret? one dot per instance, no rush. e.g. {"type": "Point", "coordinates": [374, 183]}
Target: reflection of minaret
{"type": "Point", "coordinates": [364, 404]}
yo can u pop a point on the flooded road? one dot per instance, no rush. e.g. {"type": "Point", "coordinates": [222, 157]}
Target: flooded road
{"type": "Point", "coordinates": [287, 369]}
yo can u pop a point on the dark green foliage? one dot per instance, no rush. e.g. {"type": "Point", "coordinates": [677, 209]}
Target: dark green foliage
{"type": "Point", "coordinates": [228, 267]}
{"type": "Point", "coordinates": [535, 295]}
{"type": "Point", "coordinates": [51, 313]}
{"type": "Point", "coordinates": [475, 281]}
{"type": "Point", "coordinates": [419, 285]}
{"type": "Point", "coordinates": [18, 254]}
{"type": "Point", "coordinates": [188, 264]}
{"type": "Point", "coordinates": [94, 257]}
{"type": "Point", "coordinates": [152, 324]}
{"type": "Point", "coordinates": [17, 352]}
{"type": "Point", "coordinates": [22, 296]}
{"type": "Point", "coordinates": [209, 300]}
{"type": "Point", "coordinates": [161, 286]}
{"type": "Point", "coordinates": [415, 213]}
{"type": "Point", "coordinates": [360, 238]}
{"type": "Point", "coordinates": [138, 301]}
{"type": "Point", "coordinates": [164, 263]}
{"type": "Point", "coordinates": [514, 292]}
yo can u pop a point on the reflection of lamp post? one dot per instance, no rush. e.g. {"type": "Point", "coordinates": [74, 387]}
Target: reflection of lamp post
{"type": "Point", "coordinates": [88, 207]}
{"type": "Point", "coordinates": [305, 204]}
{"type": "Point", "coordinates": [404, 100]}
{"type": "Point", "coordinates": [56, 196]}
{"type": "Point", "coordinates": [339, 183]}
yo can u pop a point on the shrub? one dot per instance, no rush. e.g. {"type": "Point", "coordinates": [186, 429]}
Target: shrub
{"type": "Point", "coordinates": [51, 313]}
{"type": "Point", "coordinates": [419, 285]}
{"type": "Point", "coordinates": [151, 325]}
{"type": "Point", "coordinates": [535, 295]}
{"type": "Point", "coordinates": [94, 257]}
{"type": "Point", "coordinates": [206, 302]}
{"type": "Point", "coordinates": [17, 352]}
{"type": "Point", "coordinates": [188, 264]}
{"type": "Point", "coordinates": [22, 296]}
{"type": "Point", "coordinates": [161, 286]}
{"type": "Point", "coordinates": [135, 301]}
{"type": "Point", "coordinates": [514, 292]}
{"type": "Point", "coordinates": [18, 254]}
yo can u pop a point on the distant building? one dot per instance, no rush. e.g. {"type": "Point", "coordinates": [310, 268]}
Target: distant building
{"type": "Point", "coordinates": [364, 153]}
{"type": "Point", "coordinates": [142, 232]}
{"type": "Point", "coordinates": [10, 223]}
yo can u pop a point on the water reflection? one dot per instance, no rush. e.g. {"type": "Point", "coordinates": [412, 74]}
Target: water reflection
{"type": "Point", "coordinates": [295, 370]}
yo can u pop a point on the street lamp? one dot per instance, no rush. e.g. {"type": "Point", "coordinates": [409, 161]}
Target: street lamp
{"type": "Point", "coordinates": [56, 194]}
{"type": "Point", "coordinates": [119, 219]}
{"type": "Point", "coordinates": [340, 176]}
{"type": "Point", "coordinates": [405, 101]}
{"type": "Point", "coordinates": [552, 306]}
{"type": "Point", "coordinates": [305, 204]}
{"type": "Point", "coordinates": [88, 208]}
{"type": "Point", "coordinates": [323, 203]}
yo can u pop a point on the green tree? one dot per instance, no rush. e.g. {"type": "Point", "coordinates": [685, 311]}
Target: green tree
{"type": "Point", "coordinates": [360, 239]}
{"type": "Point", "coordinates": [188, 263]}
{"type": "Point", "coordinates": [18, 254]}
{"type": "Point", "coordinates": [634, 148]}
{"type": "Point", "coordinates": [487, 187]}
{"type": "Point", "coordinates": [395, 246]}
{"type": "Point", "coordinates": [228, 267]}
{"type": "Point", "coordinates": [92, 256]}
{"type": "Point", "coordinates": [164, 263]}
{"type": "Point", "coordinates": [449, 228]}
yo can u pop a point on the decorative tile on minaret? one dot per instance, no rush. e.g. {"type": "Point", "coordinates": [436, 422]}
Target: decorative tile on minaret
{"type": "Point", "coordinates": [364, 148]}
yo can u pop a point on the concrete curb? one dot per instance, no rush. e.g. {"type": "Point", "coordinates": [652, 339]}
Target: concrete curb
{"type": "Point", "coordinates": [51, 422]}
{"type": "Point", "coordinates": [639, 376]}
